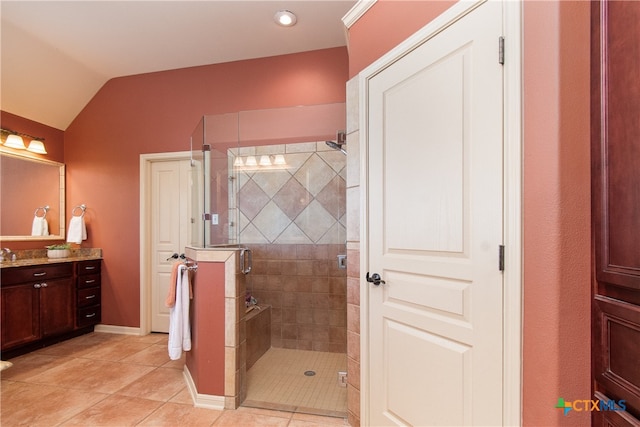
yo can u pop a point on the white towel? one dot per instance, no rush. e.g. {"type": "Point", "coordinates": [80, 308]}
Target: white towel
{"type": "Point", "coordinates": [40, 226]}
{"type": "Point", "coordinates": [77, 230]}
{"type": "Point", "coordinates": [179, 327]}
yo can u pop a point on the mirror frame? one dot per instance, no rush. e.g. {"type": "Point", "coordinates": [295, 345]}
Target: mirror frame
{"type": "Point", "coordinates": [61, 166]}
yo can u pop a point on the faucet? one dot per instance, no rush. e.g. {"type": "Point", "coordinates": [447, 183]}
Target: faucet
{"type": "Point", "coordinates": [6, 252]}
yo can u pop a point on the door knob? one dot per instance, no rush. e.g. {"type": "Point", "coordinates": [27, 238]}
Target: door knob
{"type": "Point", "coordinates": [375, 279]}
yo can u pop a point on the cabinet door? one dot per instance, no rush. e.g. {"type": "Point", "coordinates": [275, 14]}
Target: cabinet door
{"type": "Point", "coordinates": [615, 160]}
{"type": "Point", "coordinates": [20, 315]}
{"type": "Point", "coordinates": [57, 306]}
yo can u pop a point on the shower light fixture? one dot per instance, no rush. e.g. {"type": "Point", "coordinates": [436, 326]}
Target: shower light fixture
{"type": "Point", "coordinates": [251, 161]}
{"type": "Point", "coordinates": [285, 18]}
{"type": "Point", "coordinates": [265, 161]}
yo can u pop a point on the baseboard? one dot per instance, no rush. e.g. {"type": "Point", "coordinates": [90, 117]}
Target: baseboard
{"type": "Point", "coordinates": [208, 401]}
{"type": "Point", "coordinates": [113, 329]}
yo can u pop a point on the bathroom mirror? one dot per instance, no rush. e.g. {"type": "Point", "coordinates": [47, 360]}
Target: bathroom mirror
{"type": "Point", "coordinates": [27, 186]}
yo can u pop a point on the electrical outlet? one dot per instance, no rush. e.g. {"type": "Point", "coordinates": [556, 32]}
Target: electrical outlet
{"type": "Point", "coordinates": [214, 219]}
{"type": "Point", "coordinates": [342, 378]}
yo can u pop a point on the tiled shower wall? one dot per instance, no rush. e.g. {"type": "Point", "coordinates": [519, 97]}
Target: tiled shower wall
{"type": "Point", "coordinates": [292, 216]}
{"type": "Point", "coordinates": [307, 293]}
{"type": "Point", "coordinates": [299, 202]}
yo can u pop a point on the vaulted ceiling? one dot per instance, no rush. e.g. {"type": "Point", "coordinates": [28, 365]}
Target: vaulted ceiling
{"type": "Point", "coordinates": [55, 55]}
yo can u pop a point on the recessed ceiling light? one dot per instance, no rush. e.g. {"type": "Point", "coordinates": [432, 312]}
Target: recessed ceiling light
{"type": "Point", "coordinates": [285, 18]}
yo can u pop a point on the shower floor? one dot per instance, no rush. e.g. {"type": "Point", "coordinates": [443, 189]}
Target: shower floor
{"type": "Point", "coordinates": [278, 381]}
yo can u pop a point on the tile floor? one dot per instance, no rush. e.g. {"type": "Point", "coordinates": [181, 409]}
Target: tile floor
{"type": "Point", "coordinates": [104, 379]}
{"type": "Point", "coordinates": [277, 381]}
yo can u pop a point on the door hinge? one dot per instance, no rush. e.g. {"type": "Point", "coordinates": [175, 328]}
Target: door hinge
{"type": "Point", "coordinates": [501, 257]}
{"type": "Point", "coordinates": [501, 50]}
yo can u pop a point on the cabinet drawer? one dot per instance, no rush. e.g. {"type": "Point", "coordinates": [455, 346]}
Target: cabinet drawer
{"type": "Point", "coordinates": [89, 315]}
{"type": "Point", "coordinates": [35, 273]}
{"type": "Point", "coordinates": [88, 296]}
{"type": "Point", "coordinates": [88, 281]}
{"type": "Point", "coordinates": [88, 267]}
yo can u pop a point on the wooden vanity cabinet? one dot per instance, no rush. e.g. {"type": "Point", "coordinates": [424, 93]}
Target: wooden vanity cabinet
{"type": "Point", "coordinates": [88, 293]}
{"type": "Point", "coordinates": [45, 304]}
{"type": "Point", "coordinates": [37, 303]}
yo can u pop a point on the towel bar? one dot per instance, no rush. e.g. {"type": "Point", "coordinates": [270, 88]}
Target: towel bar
{"type": "Point", "coordinates": [44, 208]}
{"type": "Point", "coordinates": [82, 207]}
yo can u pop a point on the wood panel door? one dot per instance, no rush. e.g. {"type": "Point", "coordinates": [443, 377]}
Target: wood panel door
{"type": "Point", "coordinates": [434, 208]}
{"type": "Point", "coordinates": [170, 225]}
{"type": "Point", "coordinates": [615, 138]}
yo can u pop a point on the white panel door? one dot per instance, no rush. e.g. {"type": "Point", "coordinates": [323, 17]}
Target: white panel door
{"type": "Point", "coordinates": [435, 208]}
{"type": "Point", "coordinates": [170, 225]}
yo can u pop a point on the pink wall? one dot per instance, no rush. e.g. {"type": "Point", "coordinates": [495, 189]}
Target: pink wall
{"type": "Point", "coordinates": [206, 360]}
{"type": "Point", "coordinates": [386, 24]}
{"type": "Point", "coordinates": [556, 188]}
{"type": "Point", "coordinates": [157, 112]}
{"type": "Point", "coordinates": [557, 236]}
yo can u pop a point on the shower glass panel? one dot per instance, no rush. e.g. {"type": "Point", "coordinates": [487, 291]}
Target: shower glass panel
{"type": "Point", "coordinates": [243, 201]}
{"type": "Point", "coordinates": [196, 238]}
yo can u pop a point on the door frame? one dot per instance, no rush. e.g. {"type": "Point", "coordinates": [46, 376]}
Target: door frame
{"type": "Point", "coordinates": [512, 190]}
{"type": "Point", "coordinates": [146, 161]}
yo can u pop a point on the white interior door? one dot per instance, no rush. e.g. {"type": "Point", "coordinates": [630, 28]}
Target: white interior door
{"type": "Point", "coordinates": [170, 225]}
{"type": "Point", "coordinates": [435, 215]}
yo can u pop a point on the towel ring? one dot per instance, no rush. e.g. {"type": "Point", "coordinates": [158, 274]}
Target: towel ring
{"type": "Point", "coordinates": [82, 209]}
{"type": "Point", "coordinates": [44, 210]}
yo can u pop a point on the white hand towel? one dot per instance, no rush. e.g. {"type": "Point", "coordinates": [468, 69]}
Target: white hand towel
{"type": "Point", "coordinates": [40, 227]}
{"type": "Point", "coordinates": [77, 230]}
{"type": "Point", "coordinates": [179, 326]}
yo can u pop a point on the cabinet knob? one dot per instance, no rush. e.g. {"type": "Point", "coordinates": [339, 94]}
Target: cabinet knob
{"type": "Point", "coordinates": [44, 285]}
{"type": "Point", "coordinates": [37, 285]}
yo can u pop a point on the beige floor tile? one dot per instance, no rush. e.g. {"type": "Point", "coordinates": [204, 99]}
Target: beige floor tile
{"type": "Point", "coordinates": [81, 345]}
{"type": "Point", "coordinates": [176, 364]}
{"type": "Point", "coordinates": [116, 351]}
{"type": "Point", "coordinates": [278, 381]}
{"type": "Point", "coordinates": [43, 405]}
{"type": "Point", "coordinates": [248, 419]}
{"type": "Point", "coordinates": [78, 382]}
{"type": "Point", "coordinates": [116, 411]}
{"type": "Point", "coordinates": [153, 338]}
{"type": "Point", "coordinates": [173, 414]}
{"type": "Point", "coordinates": [94, 375]}
{"type": "Point", "coordinates": [316, 420]}
{"type": "Point", "coordinates": [154, 355]}
{"type": "Point", "coordinates": [184, 396]}
{"type": "Point", "coordinates": [160, 384]}
{"type": "Point", "coordinates": [265, 411]}
{"type": "Point", "coordinates": [32, 364]}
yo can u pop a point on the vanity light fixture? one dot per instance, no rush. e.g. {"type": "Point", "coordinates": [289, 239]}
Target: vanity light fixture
{"type": "Point", "coordinates": [279, 160]}
{"type": "Point", "coordinates": [36, 146]}
{"type": "Point", "coordinates": [285, 18]}
{"type": "Point", "coordinates": [15, 140]}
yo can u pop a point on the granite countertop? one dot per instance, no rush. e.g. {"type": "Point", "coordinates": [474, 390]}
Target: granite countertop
{"type": "Point", "coordinates": [39, 257]}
